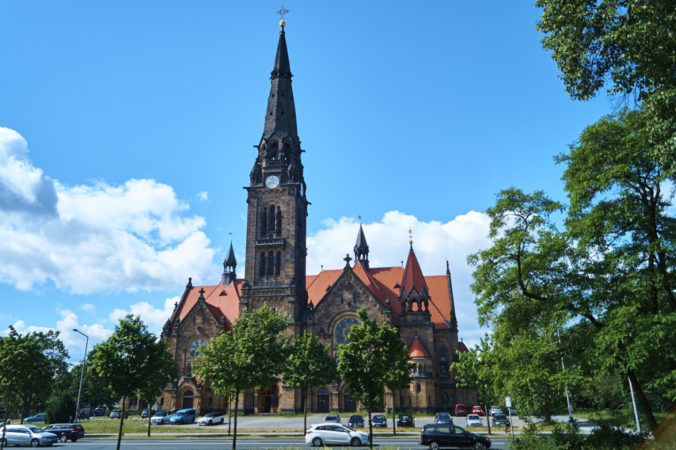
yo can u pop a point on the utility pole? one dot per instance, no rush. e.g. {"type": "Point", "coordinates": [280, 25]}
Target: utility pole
{"type": "Point", "coordinates": [84, 360]}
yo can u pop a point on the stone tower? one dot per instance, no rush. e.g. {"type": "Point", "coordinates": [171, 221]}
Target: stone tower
{"type": "Point", "coordinates": [277, 207]}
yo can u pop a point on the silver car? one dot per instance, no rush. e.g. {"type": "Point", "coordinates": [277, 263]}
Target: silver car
{"type": "Point", "coordinates": [160, 417]}
{"type": "Point", "coordinates": [28, 435]}
{"type": "Point", "coordinates": [335, 434]}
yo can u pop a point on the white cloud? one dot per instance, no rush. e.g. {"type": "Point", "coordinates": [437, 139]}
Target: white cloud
{"type": "Point", "coordinates": [151, 316]}
{"type": "Point", "coordinates": [203, 196]}
{"type": "Point", "coordinates": [93, 238]}
{"type": "Point", "coordinates": [88, 307]}
{"type": "Point", "coordinates": [434, 242]}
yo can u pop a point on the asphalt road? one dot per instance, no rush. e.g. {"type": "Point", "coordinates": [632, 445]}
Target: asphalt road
{"type": "Point", "coordinates": [226, 444]}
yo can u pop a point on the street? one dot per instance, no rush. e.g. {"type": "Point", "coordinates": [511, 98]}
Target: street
{"type": "Point", "coordinates": [242, 443]}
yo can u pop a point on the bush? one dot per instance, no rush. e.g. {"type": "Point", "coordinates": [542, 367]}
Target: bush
{"type": "Point", "coordinates": [60, 409]}
{"type": "Point", "coordinates": [603, 437]}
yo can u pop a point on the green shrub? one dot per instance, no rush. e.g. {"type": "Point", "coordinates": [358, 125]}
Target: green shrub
{"type": "Point", "coordinates": [60, 409]}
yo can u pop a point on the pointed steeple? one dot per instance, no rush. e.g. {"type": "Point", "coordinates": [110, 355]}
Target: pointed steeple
{"type": "Point", "coordinates": [229, 267]}
{"type": "Point", "coordinates": [280, 117]}
{"type": "Point", "coordinates": [454, 320]}
{"type": "Point", "coordinates": [361, 249]}
{"type": "Point", "coordinates": [413, 277]}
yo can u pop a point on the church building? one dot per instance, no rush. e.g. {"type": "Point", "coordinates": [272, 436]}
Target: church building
{"type": "Point", "coordinates": [420, 306]}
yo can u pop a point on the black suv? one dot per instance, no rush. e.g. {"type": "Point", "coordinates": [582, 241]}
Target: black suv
{"type": "Point", "coordinates": [379, 421]}
{"type": "Point", "coordinates": [65, 431]}
{"type": "Point", "coordinates": [437, 436]}
{"type": "Point", "coordinates": [356, 421]}
{"type": "Point", "coordinates": [100, 411]}
{"type": "Point", "coordinates": [405, 420]}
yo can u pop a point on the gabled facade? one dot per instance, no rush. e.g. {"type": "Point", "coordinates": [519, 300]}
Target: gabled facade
{"type": "Point", "coordinates": [421, 307]}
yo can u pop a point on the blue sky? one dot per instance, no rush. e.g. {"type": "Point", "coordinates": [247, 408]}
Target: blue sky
{"type": "Point", "coordinates": [128, 133]}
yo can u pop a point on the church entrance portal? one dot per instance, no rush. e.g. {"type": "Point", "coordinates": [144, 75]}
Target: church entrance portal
{"type": "Point", "coordinates": [268, 400]}
{"type": "Point", "coordinates": [349, 405]}
{"type": "Point", "coordinates": [187, 399]}
{"type": "Point", "coordinates": [323, 400]}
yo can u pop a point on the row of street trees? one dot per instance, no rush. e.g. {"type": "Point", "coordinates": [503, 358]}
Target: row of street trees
{"type": "Point", "coordinates": [256, 353]}
{"type": "Point", "coordinates": [592, 278]}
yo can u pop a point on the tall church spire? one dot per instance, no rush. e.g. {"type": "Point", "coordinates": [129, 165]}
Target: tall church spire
{"type": "Point", "coordinates": [280, 116]}
{"type": "Point", "coordinates": [229, 267]}
{"type": "Point", "coordinates": [361, 249]}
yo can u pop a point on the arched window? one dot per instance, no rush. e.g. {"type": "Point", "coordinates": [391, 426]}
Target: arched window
{"type": "Point", "coordinates": [418, 388]}
{"type": "Point", "coordinates": [271, 220]}
{"type": "Point", "coordinates": [278, 221]}
{"type": "Point", "coordinates": [261, 265]}
{"type": "Point", "coordinates": [342, 329]}
{"type": "Point", "coordinates": [271, 263]}
{"type": "Point", "coordinates": [264, 220]}
{"type": "Point", "coordinates": [278, 262]}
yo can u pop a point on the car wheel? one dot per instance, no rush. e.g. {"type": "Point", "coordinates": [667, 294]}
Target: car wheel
{"type": "Point", "coordinates": [434, 445]}
{"type": "Point", "coordinates": [478, 446]}
{"type": "Point", "coordinates": [73, 440]}
{"type": "Point", "coordinates": [35, 443]}
{"type": "Point", "coordinates": [316, 442]}
{"type": "Point", "coordinates": [355, 442]}
{"type": "Point", "coordinates": [63, 438]}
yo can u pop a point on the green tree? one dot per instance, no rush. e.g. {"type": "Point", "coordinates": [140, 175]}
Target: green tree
{"type": "Point", "coordinates": [60, 408]}
{"type": "Point", "coordinates": [628, 44]}
{"type": "Point", "coordinates": [474, 369]}
{"type": "Point", "coordinates": [309, 365]}
{"type": "Point", "coordinates": [398, 376]}
{"type": "Point", "coordinates": [371, 358]}
{"type": "Point", "coordinates": [129, 359]}
{"type": "Point", "coordinates": [162, 365]}
{"type": "Point", "coordinates": [29, 364]}
{"type": "Point", "coordinates": [252, 355]}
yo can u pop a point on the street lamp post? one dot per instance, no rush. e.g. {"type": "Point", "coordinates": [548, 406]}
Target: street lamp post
{"type": "Point", "coordinates": [79, 391]}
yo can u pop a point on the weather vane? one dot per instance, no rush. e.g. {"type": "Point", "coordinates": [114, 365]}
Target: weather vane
{"type": "Point", "coordinates": [282, 12]}
{"type": "Point", "coordinates": [230, 233]}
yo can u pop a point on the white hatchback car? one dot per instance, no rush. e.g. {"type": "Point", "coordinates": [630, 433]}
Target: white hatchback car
{"type": "Point", "coordinates": [474, 420]}
{"type": "Point", "coordinates": [335, 434]}
{"type": "Point", "coordinates": [210, 419]}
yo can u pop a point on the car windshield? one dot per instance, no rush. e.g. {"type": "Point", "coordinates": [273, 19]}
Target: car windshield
{"type": "Point", "coordinates": [35, 429]}
{"type": "Point", "coordinates": [160, 413]}
{"type": "Point", "coordinates": [444, 416]}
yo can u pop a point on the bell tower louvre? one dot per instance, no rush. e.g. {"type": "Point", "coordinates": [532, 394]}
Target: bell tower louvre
{"type": "Point", "coordinates": [277, 206]}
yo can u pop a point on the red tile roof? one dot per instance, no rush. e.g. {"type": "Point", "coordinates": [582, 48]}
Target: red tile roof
{"type": "Point", "coordinates": [417, 349]}
{"type": "Point", "coordinates": [462, 347]}
{"type": "Point", "coordinates": [382, 281]}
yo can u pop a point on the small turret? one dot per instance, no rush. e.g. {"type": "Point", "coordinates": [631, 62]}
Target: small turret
{"type": "Point", "coordinates": [361, 249]}
{"type": "Point", "coordinates": [229, 267]}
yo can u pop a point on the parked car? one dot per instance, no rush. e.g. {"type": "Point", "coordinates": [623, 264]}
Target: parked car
{"type": "Point", "coordinates": [160, 417]}
{"type": "Point", "coordinates": [187, 415]}
{"type": "Point", "coordinates": [437, 436]}
{"type": "Point", "coordinates": [39, 417]}
{"type": "Point", "coordinates": [443, 418]}
{"type": "Point", "coordinates": [145, 413]}
{"type": "Point", "coordinates": [332, 418]}
{"type": "Point", "coordinates": [85, 413]}
{"type": "Point", "coordinates": [100, 411]}
{"type": "Point", "coordinates": [500, 419]}
{"type": "Point", "coordinates": [116, 413]}
{"type": "Point", "coordinates": [474, 420]}
{"type": "Point", "coordinates": [379, 421]}
{"type": "Point", "coordinates": [65, 431]}
{"type": "Point", "coordinates": [476, 409]}
{"type": "Point", "coordinates": [333, 433]}
{"type": "Point", "coordinates": [210, 419]}
{"type": "Point", "coordinates": [460, 410]}
{"type": "Point", "coordinates": [405, 420]}
{"type": "Point", "coordinates": [356, 421]}
{"type": "Point", "coordinates": [28, 435]}
{"type": "Point", "coordinates": [496, 410]}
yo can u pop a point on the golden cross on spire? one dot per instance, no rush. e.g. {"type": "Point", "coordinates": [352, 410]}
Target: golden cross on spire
{"type": "Point", "coordinates": [282, 12]}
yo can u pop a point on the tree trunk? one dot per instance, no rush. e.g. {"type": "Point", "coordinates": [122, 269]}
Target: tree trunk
{"type": "Point", "coordinates": [488, 418]}
{"type": "Point", "coordinates": [124, 411]}
{"type": "Point", "coordinates": [394, 422]}
{"type": "Point", "coordinates": [305, 411]}
{"type": "Point", "coordinates": [643, 401]}
{"type": "Point", "coordinates": [229, 399]}
{"type": "Point", "coordinates": [4, 420]}
{"type": "Point", "coordinates": [234, 431]}
{"type": "Point", "coordinates": [149, 418]}
{"type": "Point", "coordinates": [370, 430]}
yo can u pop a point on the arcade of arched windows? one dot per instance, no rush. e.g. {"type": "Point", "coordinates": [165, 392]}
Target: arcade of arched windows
{"type": "Point", "coordinates": [269, 263]}
{"type": "Point", "coordinates": [271, 221]}
{"type": "Point", "coordinates": [421, 370]}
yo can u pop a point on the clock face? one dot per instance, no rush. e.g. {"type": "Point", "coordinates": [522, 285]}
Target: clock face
{"type": "Point", "coordinates": [272, 181]}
